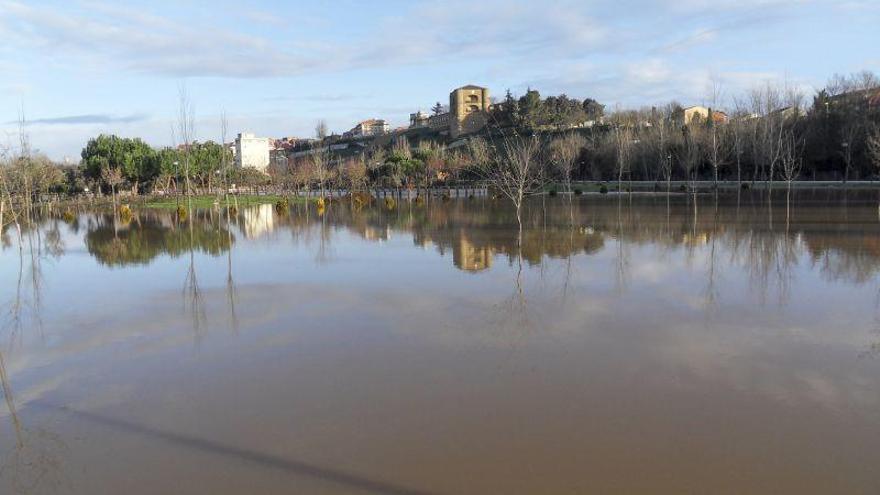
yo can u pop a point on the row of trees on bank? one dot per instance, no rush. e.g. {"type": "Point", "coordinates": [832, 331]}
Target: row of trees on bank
{"type": "Point", "coordinates": [773, 133]}
{"type": "Point", "coordinates": [114, 160]}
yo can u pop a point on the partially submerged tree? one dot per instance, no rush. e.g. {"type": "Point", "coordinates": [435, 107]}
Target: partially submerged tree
{"type": "Point", "coordinates": [186, 133]}
{"type": "Point", "coordinates": [564, 153]}
{"type": "Point", "coordinates": [515, 169]}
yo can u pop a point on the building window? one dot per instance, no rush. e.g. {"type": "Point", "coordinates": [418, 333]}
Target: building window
{"type": "Point", "coordinates": [473, 108]}
{"type": "Point", "coordinates": [473, 99]}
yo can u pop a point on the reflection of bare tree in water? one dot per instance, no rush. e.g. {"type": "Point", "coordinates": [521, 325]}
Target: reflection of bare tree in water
{"type": "Point", "coordinates": [16, 314]}
{"type": "Point", "coordinates": [15, 305]}
{"type": "Point", "coordinates": [513, 322]}
{"type": "Point", "coordinates": [325, 252]}
{"type": "Point", "coordinates": [568, 261]}
{"type": "Point", "coordinates": [33, 463]}
{"type": "Point", "coordinates": [10, 402]}
{"type": "Point", "coordinates": [192, 294]}
{"type": "Point", "coordinates": [36, 277]}
{"type": "Point", "coordinates": [622, 261]}
{"type": "Point", "coordinates": [771, 257]}
{"type": "Point", "coordinates": [230, 283]}
{"type": "Point", "coordinates": [711, 291]}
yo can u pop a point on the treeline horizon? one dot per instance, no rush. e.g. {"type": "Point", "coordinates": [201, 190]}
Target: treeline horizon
{"type": "Point", "coordinates": [772, 133]}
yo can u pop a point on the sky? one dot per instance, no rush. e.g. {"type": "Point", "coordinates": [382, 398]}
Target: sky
{"type": "Point", "coordinates": [78, 68]}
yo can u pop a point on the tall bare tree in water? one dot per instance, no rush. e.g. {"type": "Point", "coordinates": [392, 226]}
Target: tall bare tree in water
{"type": "Point", "coordinates": [515, 168]}
{"type": "Point", "coordinates": [775, 109]}
{"type": "Point", "coordinates": [791, 159]}
{"type": "Point", "coordinates": [320, 166]}
{"type": "Point", "coordinates": [224, 160]}
{"type": "Point", "coordinates": [564, 153]}
{"type": "Point", "coordinates": [186, 133]}
{"type": "Point", "coordinates": [623, 137]}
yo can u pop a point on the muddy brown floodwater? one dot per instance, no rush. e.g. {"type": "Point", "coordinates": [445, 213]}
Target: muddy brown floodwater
{"type": "Point", "coordinates": [634, 344]}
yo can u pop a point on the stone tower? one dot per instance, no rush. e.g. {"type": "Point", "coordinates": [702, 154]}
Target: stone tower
{"type": "Point", "coordinates": [469, 106]}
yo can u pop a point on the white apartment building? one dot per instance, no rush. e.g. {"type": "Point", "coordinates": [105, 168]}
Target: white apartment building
{"type": "Point", "coordinates": [251, 151]}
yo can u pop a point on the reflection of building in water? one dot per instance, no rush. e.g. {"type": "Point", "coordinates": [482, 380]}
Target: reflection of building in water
{"type": "Point", "coordinates": [698, 239]}
{"type": "Point", "coordinates": [258, 220]}
{"type": "Point", "coordinates": [471, 258]}
{"type": "Point", "coordinates": [371, 233]}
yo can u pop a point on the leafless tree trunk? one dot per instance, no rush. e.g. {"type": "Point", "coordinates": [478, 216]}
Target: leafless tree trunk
{"type": "Point", "coordinates": [564, 152]}
{"type": "Point", "coordinates": [850, 133]}
{"type": "Point", "coordinates": [624, 139]}
{"type": "Point", "coordinates": [186, 130]}
{"type": "Point", "coordinates": [791, 161]}
{"type": "Point", "coordinates": [224, 162]}
{"type": "Point", "coordinates": [515, 169]}
{"type": "Point", "coordinates": [320, 167]}
{"type": "Point", "coordinates": [775, 110]}
{"type": "Point", "coordinates": [717, 143]}
{"type": "Point", "coordinates": [718, 149]}
{"type": "Point", "coordinates": [661, 151]}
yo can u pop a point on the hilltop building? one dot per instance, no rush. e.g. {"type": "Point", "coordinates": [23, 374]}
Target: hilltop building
{"type": "Point", "coordinates": [252, 151]}
{"type": "Point", "coordinates": [418, 119]}
{"type": "Point", "coordinates": [368, 128]}
{"type": "Point", "coordinates": [864, 98]}
{"type": "Point", "coordinates": [469, 106]}
{"type": "Point", "coordinates": [469, 112]}
{"type": "Point", "coordinates": [701, 114]}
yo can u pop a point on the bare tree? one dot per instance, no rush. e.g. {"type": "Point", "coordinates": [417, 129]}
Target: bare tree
{"type": "Point", "coordinates": [791, 157]}
{"type": "Point", "coordinates": [564, 153]}
{"type": "Point", "coordinates": [186, 131]}
{"type": "Point", "coordinates": [691, 152]}
{"type": "Point", "coordinates": [716, 139]}
{"type": "Point", "coordinates": [658, 144]}
{"type": "Point", "coordinates": [320, 167]}
{"type": "Point", "coordinates": [717, 147]}
{"type": "Point", "coordinates": [515, 169]}
{"type": "Point", "coordinates": [623, 137]}
{"type": "Point", "coordinates": [776, 109]}
{"type": "Point", "coordinates": [224, 161]}
{"type": "Point", "coordinates": [739, 130]}
{"type": "Point", "coordinates": [354, 173]}
{"type": "Point", "coordinates": [850, 133]}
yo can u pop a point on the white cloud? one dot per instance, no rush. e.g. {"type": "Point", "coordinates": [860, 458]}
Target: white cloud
{"type": "Point", "coordinates": [144, 42]}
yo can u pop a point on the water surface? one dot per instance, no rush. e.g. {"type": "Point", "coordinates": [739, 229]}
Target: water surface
{"type": "Point", "coordinates": [635, 344]}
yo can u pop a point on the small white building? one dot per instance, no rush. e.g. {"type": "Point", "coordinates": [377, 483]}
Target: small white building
{"type": "Point", "coordinates": [251, 151]}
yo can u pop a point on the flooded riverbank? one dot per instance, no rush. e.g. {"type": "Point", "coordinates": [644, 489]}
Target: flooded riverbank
{"type": "Point", "coordinates": [631, 344]}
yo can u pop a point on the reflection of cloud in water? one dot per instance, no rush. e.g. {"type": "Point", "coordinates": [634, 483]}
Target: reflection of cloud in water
{"type": "Point", "coordinates": [393, 331]}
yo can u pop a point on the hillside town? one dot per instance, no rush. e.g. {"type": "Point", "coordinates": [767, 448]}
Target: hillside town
{"type": "Point", "coordinates": [468, 112]}
{"type": "Point", "coordinates": [770, 133]}
{"type": "Point", "coordinates": [851, 103]}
